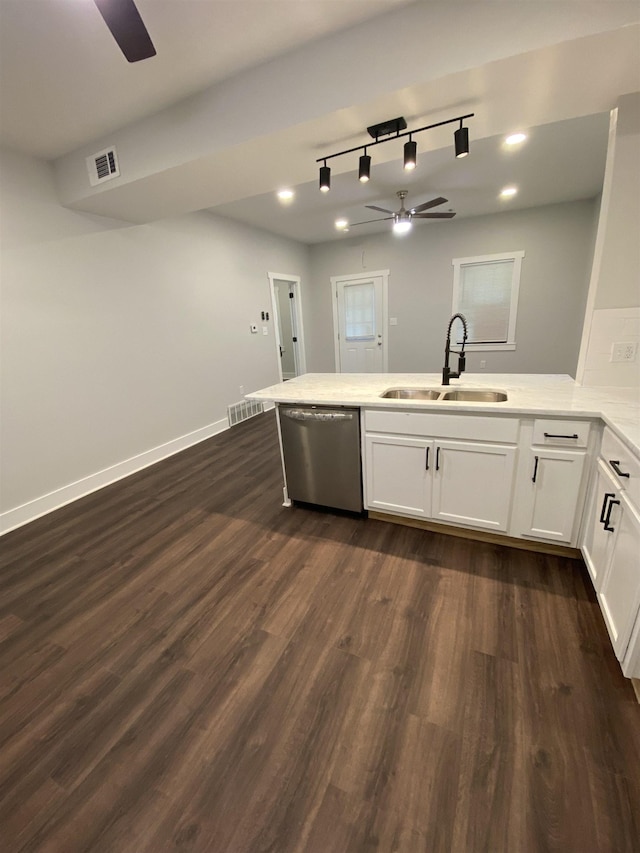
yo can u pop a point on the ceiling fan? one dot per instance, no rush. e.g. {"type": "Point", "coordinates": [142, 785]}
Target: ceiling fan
{"type": "Point", "coordinates": [127, 28]}
{"type": "Point", "coordinates": [402, 218]}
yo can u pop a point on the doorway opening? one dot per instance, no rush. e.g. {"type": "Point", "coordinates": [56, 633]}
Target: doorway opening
{"type": "Point", "coordinates": [360, 322]}
{"type": "Point", "coordinates": [286, 304]}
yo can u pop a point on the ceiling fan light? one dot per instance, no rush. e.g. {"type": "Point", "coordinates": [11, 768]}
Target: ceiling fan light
{"type": "Point", "coordinates": [364, 168]}
{"type": "Point", "coordinates": [401, 226]}
{"type": "Point", "coordinates": [410, 155]}
{"type": "Point", "coordinates": [461, 141]}
{"type": "Point", "coordinates": [325, 179]}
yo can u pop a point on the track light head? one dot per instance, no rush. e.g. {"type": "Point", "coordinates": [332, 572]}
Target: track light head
{"type": "Point", "coordinates": [325, 178]}
{"type": "Point", "coordinates": [461, 141]}
{"type": "Point", "coordinates": [410, 155]}
{"type": "Point", "coordinates": [364, 167]}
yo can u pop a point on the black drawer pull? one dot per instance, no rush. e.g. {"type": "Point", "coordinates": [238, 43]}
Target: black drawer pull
{"type": "Point", "coordinates": [553, 435]}
{"type": "Point", "coordinates": [437, 458]}
{"type": "Point", "coordinates": [607, 521]}
{"type": "Point", "coordinates": [535, 470]}
{"type": "Point", "coordinates": [615, 464]}
{"type": "Point", "coordinates": [607, 495]}
{"type": "Point", "coordinates": [426, 462]}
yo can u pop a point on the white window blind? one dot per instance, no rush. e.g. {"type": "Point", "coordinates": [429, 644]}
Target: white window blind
{"type": "Point", "coordinates": [485, 300]}
{"type": "Point", "coordinates": [359, 310]}
{"type": "Point", "coordinates": [485, 290]}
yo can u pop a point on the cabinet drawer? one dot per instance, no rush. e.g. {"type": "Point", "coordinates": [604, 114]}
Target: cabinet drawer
{"type": "Point", "coordinates": [617, 455]}
{"type": "Point", "coordinates": [561, 433]}
{"type": "Point", "coordinates": [433, 424]}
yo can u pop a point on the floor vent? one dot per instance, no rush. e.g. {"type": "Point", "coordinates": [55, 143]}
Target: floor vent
{"type": "Point", "coordinates": [238, 412]}
{"type": "Point", "coordinates": [102, 166]}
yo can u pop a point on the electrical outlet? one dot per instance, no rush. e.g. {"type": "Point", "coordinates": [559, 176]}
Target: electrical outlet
{"type": "Point", "coordinates": [265, 330]}
{"type": "Point", "coordinates": [483, 364]}
{"type": "Point", "coordinates": [242, 390]}
{"type": "Point", "coordinates": [624, 351]}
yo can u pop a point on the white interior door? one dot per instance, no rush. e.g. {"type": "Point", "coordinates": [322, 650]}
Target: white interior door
{"type": "Point", "coordinates": [360, 322]}
{"type": "Point", "coordinates": [286, 304]}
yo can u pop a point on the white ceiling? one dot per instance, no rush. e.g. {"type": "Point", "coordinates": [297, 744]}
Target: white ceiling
{"type": "Point", "coordinates": [63, 80]}
{"type": "Point", "coordinates": [265, 109]}
{"type": "Point", "coordinates": [562, 161]}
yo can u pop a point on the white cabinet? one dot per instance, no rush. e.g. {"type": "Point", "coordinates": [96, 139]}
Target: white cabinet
{"type": "Point", "coordinates": [619, 593]}
{"type": "Point", "coordinates": [472, 483]}
{"type": "Point", "coordinates": [550, 493]}
{"type": "Point", "coordinates": [551, 480]}
{"type": "Point", "coordinates": [460, 482]}
{"type": "Point", "coordinates": [398, 474]}
{"type": "Point", "coordinates": [597, 540]}
{"type": "Point", "coordinates": [611, 549]}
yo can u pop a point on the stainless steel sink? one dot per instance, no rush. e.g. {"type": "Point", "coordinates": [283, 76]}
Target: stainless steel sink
{"type": "Point", "coordinates": [475, 396]}
{"type": "Point", "coordinates": [411, 394]}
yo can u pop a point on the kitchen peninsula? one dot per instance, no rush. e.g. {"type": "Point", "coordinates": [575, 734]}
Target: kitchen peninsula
{"type": "Point", "coordinates": [554, 467]}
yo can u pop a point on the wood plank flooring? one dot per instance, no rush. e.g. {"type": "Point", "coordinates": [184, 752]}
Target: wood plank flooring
{"type": "Point", "coordinates": [185, 665]}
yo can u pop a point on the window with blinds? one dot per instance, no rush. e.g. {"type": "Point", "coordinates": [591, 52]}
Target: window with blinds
{"type": "Point", "coordinates": [485, 290]}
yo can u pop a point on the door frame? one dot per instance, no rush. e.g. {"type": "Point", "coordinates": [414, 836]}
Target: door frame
{"type": "Point", "coordinates": [297, 303]}
{"type": "Point", "coordinates": [385, 312]}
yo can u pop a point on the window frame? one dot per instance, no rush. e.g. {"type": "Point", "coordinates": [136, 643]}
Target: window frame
{"type": "Point", "coordinates": [516, 257]}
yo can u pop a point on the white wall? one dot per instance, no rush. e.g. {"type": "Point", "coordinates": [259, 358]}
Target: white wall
{"type": "Point", "coordinates": [117, 339]}
{"type": "Point", "coordinates": [557, 240]}
{"type": "Point", "coordinates": [613, 313]}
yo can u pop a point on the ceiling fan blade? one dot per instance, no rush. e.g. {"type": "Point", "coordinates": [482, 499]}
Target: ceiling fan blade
{"type": "Point", "coordinates": [428, 204]}
{"type": "Point", "coordinates": [367, 221]}
{"type": "Point", "coordinates": [433, 215]}
{"type": "Point", "coordinates": [381, 209]}
{"type": "Point", "coordinates": [127, 28]}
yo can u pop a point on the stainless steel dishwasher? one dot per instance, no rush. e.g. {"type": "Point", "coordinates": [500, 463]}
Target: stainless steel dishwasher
{"type": "Point", "coordinates": [321, 449]}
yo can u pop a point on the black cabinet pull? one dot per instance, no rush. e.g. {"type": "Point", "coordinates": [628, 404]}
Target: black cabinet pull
{"type": "Point", "coordinates": [607, 495]}
{"type": "Point", "coordinates": [607, 520]}
{"type": "Point", "coordinates": [535, 470]}
{"type": "Point", "coordinates": [437, 458]}
{"type": "Point", "coordinates": [615, 464]}
{"type": "Point", "coordinates": [426, 462]}
{"type": "Point", "coordinates": [553, 435]}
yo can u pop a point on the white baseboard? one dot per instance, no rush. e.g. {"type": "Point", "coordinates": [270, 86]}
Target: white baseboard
{"type": "Point", "coordinates": [25, 513]}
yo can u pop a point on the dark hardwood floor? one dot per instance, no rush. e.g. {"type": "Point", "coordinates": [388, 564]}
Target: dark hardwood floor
{"type": "Point", "coordinates": [185, 665]}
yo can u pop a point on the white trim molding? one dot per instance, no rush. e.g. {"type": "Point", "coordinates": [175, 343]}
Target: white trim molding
{"type": "Point", "coordinates": [20, 515]}
{"type": "Point", "coordinates": [301, 358]}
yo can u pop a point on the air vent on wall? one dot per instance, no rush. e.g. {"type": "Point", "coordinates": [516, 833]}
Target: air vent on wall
{"type": "Point", "coordinates": [103, 166]}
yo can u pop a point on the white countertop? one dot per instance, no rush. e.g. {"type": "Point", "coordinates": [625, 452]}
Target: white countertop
{"type": "Point", "coordinates": [541, 394]}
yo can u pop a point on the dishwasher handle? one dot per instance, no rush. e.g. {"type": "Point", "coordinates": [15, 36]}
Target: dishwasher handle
{"type": "Point", "coordinates": [309, 415]}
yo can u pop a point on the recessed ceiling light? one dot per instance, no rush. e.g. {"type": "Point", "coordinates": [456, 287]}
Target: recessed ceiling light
{"type": "Point", "coordinates": [507, 192]}
{"type": "Point", "coordinates": [515, 139]}
{"type": "Point", "coordinates": [342, 224]}
{"type": "Point", "coordinates": [285, 195]}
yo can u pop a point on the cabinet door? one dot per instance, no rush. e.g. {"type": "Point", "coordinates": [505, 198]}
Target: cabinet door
{"type": "Point", "coordinates": [620, 591]}
{"type": "Point", "coordinates": [551, 493]}
{"type": "Point", "coordinates": [399, 474]}
{"type": "Point", "coordinates": [472, 483]}
{"type": "Point", "coordinates": [598, 540]}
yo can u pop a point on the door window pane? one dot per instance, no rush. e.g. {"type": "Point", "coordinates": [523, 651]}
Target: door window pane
{"type": "Point", "coordinates": [359, 309]}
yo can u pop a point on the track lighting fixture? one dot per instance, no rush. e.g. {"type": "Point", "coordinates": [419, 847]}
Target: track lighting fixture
{"type": "Point", "coordinates": [410, 155]}
{"type": "Point", "coordinates": [364, 167]}
{"type": "Point", "coordinates": [392, 129]}
{"type": "Point", "coordinates": [325, 178]}
{"type": "Point", "coordinates": [461, 141]}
